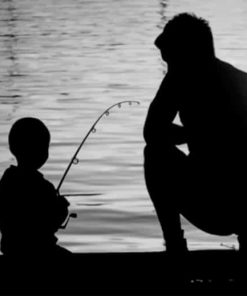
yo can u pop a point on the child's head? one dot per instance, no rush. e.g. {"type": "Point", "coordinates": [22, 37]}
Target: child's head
{"type": "Point", "coordinates": [29, 141]}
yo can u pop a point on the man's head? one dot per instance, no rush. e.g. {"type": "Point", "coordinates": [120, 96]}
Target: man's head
{"type": "Point", "coordinates": [29, 141]}
{"type": "Point", "coordinates": [185, 40]}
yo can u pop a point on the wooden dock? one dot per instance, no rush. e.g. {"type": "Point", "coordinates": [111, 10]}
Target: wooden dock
{"type": "Point", "coordinates": [208, 272]}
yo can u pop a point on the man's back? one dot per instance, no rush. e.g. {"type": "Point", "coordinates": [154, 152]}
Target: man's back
{"type": "Point", "coordinates": [213, 110]}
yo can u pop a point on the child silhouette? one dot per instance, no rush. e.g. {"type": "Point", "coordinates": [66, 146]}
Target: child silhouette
{"type": "Point", "coordinates": [31, 211]}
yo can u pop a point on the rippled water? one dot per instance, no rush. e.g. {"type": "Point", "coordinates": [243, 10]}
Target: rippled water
{"type": "Point", "coordinates": [66, 62]}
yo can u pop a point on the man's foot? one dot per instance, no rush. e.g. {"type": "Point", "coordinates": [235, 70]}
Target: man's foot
{"type": "Point", "coordinates": [242, 240]}
{"type": "Point", "coordinates": [176, 244]}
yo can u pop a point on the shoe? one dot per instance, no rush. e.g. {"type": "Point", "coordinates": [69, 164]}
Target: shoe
{"type": "Point", "coordinates": [242, 240]}
{"type": "Point", "coordinates": [176, 244]}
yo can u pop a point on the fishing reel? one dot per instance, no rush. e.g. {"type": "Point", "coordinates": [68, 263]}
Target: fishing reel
{"type": "Point", "coordinates": [71, 215]}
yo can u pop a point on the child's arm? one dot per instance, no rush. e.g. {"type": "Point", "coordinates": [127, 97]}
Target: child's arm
{"type": "Point", "coordinates": [62, 209]}
{"type": "Point", "coordinates": [56, 208]}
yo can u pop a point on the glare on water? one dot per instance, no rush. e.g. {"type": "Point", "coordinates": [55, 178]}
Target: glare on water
{"type": "Point", "coordinates": [66, 62]}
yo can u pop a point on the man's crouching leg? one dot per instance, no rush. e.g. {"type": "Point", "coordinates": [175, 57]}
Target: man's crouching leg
{"type": "Point", "coordinates": [164, 183]}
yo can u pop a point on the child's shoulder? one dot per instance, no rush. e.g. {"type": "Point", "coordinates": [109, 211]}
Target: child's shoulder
{"type": "Point", "coordinates": [9, 172]}
{"type": "Point", "coordinates": [15, 175]}
{"type": "Point", "coordinates": [8, 179]}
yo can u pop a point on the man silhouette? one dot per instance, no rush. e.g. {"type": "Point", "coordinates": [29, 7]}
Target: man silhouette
{"type": "Point", "coordinates": [206, 186]}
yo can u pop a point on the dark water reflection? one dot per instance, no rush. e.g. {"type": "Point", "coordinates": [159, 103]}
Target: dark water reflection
{"type": "Point", "coordinates": [65, 62]}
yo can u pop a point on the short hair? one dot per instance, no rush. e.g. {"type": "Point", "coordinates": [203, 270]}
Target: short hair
{"type": "Point", "coordinates": [26, 133]}
{"type": "Point", "coordinates": [188, 34]}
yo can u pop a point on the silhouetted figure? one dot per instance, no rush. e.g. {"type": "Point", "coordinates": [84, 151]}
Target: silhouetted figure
{"type": "Point", "coordinates": [31, 211]}
{"type": "Point", "coordinates": [207, 186]}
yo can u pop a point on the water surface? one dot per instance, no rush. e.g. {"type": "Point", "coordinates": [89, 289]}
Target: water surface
{"type": "Point", "coordinates": [66, 62]}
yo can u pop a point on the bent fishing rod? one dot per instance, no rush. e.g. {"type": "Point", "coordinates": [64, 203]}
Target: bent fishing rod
{"type": "Point", "coordinates": [74, 159]}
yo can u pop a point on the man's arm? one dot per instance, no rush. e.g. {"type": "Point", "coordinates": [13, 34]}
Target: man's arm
{"type": "Point", "coordinates": [177, 134]}
{"type": "Point", "coordinates": [159, 128]}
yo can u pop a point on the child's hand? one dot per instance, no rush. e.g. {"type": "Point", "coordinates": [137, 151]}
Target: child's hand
{"type": "Point", "coordinates": [63, 199]}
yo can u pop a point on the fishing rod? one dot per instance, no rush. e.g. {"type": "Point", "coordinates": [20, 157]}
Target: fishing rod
{"type": "Point", "coordinates": [74, 159]}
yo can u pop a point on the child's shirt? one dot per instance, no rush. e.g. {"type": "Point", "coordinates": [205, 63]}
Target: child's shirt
{"type": "Point", "coordinates": [31, 211]}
